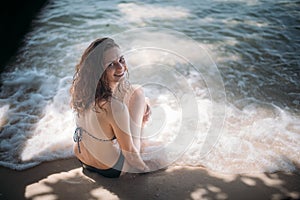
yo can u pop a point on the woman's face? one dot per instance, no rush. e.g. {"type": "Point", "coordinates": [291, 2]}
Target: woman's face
{"type": "Point", "coordinates": [115, 65]}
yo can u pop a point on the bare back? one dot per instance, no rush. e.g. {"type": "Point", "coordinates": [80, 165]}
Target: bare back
{"type": "Point", "coordinates": [97, 150]}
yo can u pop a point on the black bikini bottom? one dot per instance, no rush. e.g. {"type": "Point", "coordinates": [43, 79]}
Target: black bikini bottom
{"type": "Point", "coordinates": [113, 172]}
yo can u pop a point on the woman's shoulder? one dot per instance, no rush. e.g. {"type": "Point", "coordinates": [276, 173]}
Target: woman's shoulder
{"type": "Point", "coordinates": [118, 105]}
{"type": "Point", "coordinates": [137, 88]}
{"type": "Point", "coordinates": [112, 107]}
{"type": "Point", "coordinates": [137, 91]}
{"type": "Point", "coordinates": [111, 112]}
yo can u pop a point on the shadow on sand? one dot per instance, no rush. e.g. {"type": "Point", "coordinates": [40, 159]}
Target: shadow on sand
{"type": "Point", "coordinates": [65, 179]}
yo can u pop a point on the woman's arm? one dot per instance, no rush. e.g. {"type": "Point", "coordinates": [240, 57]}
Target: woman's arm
{"type": "Point", "coordinates": [120, 121]}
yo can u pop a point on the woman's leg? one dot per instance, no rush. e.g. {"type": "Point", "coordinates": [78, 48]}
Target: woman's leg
{"type": "Point", "coordinates": [136, 108]}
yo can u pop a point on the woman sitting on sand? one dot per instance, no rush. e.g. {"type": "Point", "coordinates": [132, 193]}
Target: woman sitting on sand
{"type": "Point", "coordinates": [110, 113]}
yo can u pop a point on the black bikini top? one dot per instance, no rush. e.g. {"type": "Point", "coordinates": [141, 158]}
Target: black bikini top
{"type": "Point", "coordinates": [77, 137]}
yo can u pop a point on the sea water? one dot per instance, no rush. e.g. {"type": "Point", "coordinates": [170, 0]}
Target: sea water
{"type": "Point", "coordinates": [233, 103]}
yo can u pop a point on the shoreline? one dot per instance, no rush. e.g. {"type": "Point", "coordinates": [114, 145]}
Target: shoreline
{"type": "Point", "coordinates": [65, 179]}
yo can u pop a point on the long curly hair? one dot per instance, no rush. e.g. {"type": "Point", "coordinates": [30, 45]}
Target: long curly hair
{"type": "Point", "coordinates": [90, 84]}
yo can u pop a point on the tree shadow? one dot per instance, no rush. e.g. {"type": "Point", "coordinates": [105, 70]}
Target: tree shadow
{"type": "Point", "coordinates": [65, 179]}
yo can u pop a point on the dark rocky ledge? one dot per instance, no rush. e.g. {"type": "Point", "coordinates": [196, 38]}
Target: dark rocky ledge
{"type": "Point", "coordinates": [15, 20]}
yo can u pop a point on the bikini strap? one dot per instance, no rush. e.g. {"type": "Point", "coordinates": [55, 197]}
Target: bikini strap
{"type": "Point", "coordinates": [77, 137]}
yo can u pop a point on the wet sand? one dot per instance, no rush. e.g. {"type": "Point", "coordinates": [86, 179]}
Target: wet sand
{"type": "Point", "coordinates": [65, 179]}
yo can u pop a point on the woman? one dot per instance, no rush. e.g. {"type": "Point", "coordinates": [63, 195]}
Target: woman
{"type": "Point", "coordinates": [110, 112]}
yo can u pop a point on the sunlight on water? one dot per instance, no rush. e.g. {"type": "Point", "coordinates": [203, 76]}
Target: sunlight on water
{"type": "Point", "coordinates": [248, 2]}
{"type": "Point", "coordinates": [143, 12]}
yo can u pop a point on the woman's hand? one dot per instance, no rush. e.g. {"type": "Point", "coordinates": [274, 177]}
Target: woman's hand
{"type": "Point", "coordinates": [147, 113]}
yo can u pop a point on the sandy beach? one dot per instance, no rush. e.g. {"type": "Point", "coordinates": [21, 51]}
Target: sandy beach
{"type": "Point", "coordinates": [65, 179]}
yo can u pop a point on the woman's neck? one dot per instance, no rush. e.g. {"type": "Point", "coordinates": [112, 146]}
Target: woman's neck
{"type": "Point", "coordinates": [113, 87]}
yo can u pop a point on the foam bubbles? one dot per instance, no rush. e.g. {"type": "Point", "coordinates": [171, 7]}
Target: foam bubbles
{"type": "Point", "coordinates": [51, 137]}
{"type": "Point", "coordinates": [36, 121]}
{"type": "Point", "coordinates": [256, 138]}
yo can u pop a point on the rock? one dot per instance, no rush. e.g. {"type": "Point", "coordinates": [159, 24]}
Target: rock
{"type": "Point", "coordinates": [15, 20]}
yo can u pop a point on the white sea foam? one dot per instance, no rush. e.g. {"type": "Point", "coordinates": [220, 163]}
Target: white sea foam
{"type": "Point", "coordinates": [34, 126]}
{"type": "Point", "coordinates": [256, 137]}
{"type": "Point", "coordinates": [53, 131]}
